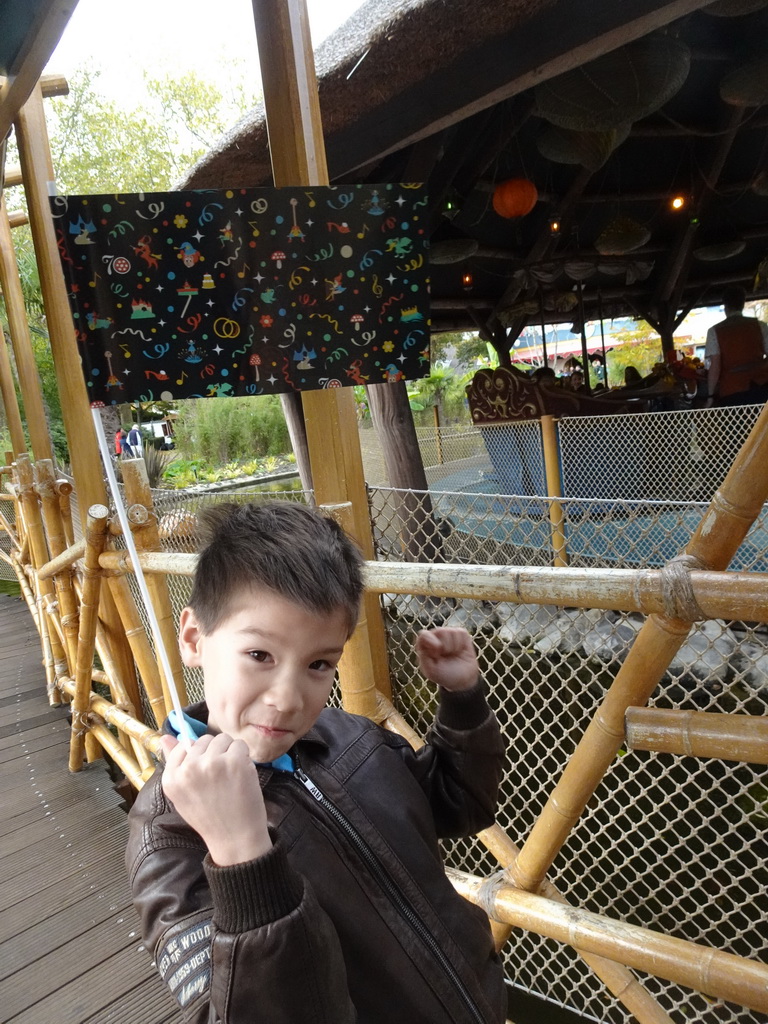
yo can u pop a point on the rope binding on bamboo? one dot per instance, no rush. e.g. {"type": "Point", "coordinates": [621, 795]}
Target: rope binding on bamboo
{"type": "Point", "coordinates": [677, 593]}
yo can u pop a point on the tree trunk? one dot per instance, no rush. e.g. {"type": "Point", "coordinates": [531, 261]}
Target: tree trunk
{"type": "Point", "coordinates": [392, 418]}
{"type": "Point", "coordinates": [294, 418]}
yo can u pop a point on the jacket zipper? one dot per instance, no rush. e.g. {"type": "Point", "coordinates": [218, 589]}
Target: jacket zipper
{"type": "Point", "coordinates": [390, 887]}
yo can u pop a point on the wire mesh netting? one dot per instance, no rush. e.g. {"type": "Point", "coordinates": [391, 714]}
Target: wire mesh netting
{"type": "Point", "coordinates": [669, 843]}
{"type": "Point", "coordinates": [665, 456]}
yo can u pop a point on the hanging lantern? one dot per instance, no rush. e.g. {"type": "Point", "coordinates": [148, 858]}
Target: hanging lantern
{"type": "Point", "coordinates": [746, 86]}
{"type": "Point", "coordinates": [515, 197]}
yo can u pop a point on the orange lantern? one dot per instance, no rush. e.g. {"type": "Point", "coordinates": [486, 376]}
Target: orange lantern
{"type": "Point", "coordinates": [514, 197]}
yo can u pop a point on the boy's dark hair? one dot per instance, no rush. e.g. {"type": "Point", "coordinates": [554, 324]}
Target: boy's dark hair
{"type": "Point", "coordinates": [734, 297]}
{"type": "Point", "coordinates": [283, 546]}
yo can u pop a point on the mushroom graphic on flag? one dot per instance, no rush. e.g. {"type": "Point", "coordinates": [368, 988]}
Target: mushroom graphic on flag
{"type": "Point", "coordinates": [278, 257]}
{"type": "Point", "coordinates": [356, 319]}
{"type": "Point", "coordinates": [255, 362]}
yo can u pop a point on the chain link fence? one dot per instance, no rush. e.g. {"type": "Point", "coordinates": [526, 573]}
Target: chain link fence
{"type": "Point", "coordinates": [669, 843]}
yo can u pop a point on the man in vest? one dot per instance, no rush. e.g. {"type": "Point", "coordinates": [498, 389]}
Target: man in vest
{"type": "Point", "coordinates": [736, 350]}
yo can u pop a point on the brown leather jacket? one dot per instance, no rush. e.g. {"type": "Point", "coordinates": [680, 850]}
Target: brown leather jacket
{"type": "Point", "coordinates": [349, 918]}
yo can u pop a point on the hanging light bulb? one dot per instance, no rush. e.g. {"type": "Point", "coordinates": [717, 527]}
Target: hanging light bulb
{"type": "Point", "coordinates": [554, 225]}
{"type": "Point", "coordinates": [677, 202]}
{"type": "Point", "coordinates": [467, 280]}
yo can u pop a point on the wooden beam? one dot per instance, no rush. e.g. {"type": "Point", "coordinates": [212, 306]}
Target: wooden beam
{"type": "Point", "coordinates": [298, 158]}
{"type": "Point", "coordinates": [563, 36]}
{"type": "Point", "coordinates": [40, 42]}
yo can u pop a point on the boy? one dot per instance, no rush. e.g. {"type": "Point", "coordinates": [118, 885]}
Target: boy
{"type": "Point", "coordinates": [285, 865]}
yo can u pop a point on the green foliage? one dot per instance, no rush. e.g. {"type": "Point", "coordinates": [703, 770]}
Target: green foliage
{"type": "Point", "coordinates": [143, 149]}
{"type": "Point", "coordinates": [220, 431]}
{"type": "Point", "coordinates": [643, 355]}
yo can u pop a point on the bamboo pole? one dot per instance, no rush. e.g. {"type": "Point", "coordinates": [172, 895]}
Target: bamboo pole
{"type": "Point", "coordinates": [37, 172]}
{"type": "Point", "coordinates": [554, 489]}
{"type": "Point", "coordinates": [63, 561]}
{"type": "Point", "coordinates": [95, 537]}
{"type": "Point", "coordinates": [146, 537]}
{"type": "Point", "coordinates": [46, 488]}
{"type": "Point", "coordinates": [149, 738]}
{"type": "Point", "coordinates": [127, 764]}
{"type": "Point", "coordinates": [719, 595]}
{"type": "Point", "coordinates": [64, 489]}
{"type": "Point", "coordinates": [698, 734]}
{"type": "Point", "coordinates": [726, 522]}
{"type": "Point", "coordinates": [26, 591]}
{"type": "Point", "coordinates": [717, 974]}
{"type": "Point", "coordinates": [617, 978]}
{"type": "Point", "coordinates": [10, 402]}
{"type": "Point", "coordinates": [29, 379]}
{"type": "Point", "coordinates": [298, 158]}
{"type": "Point", "coordinates": [137, 638]}
{"type": "Point", "coordinates": [39, 552]}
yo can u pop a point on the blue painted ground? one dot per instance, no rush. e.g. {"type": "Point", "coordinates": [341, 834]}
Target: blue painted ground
{"type": "Point", "coordinates": [598, 531]}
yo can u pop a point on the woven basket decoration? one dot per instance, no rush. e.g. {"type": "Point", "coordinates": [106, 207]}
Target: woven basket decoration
{"type": "Point", "coordinates": [720, 250]}
{"type": "Point", "coordinates": [618, 87]}
{"type": "Point", "coordinates": [590, 149]}
{"type": "Point", "coordinates": [453, 250]}
{"type": "Point", "coordinates": [734, 8]}
{"type": "Point", "coordinates": [747, 86]}
{"type": "Point", "coordinates": [621, 235]}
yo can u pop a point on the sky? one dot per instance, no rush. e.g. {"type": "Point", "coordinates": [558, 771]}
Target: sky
{"type": "Point", "coordinates": [126, 37]}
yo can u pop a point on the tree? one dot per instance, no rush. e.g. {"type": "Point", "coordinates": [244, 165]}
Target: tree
{"type": "Point", "coordinates": [98, 146]}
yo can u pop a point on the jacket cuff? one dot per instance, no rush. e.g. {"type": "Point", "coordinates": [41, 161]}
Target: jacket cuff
{"type": "Point", "coordinates": [465, 709]}
{"type": "Point", "coordinates": [255, 893]}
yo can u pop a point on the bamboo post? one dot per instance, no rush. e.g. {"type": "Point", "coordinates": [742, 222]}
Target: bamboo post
{"type": "Point", "coordinates": [67, 598]}
{"type": "Point", "coordinates": [698, 734]}
{"type": "Point", "coordinates": [138, 498]}
{"type": "Point", "coordinates": [37, 172]}
{"type": "Point", "coordinates": [29, 379]}
{"type": "Point", "coordinates": [726, 522]}
{"type": "Point", "coordinates": [298, 158]}
{"type": "Point", "coordinates": [617, 978]}
{"type": "Point", "coordinates": [554, 489]}
{"type": "Point", "coordinates": [10, 402]}
{"type": "Point", "coordinates": [95, 538]}
{"type": "Point", "coordinates": [39, 556]}
{"type": "Point", "coordinates": [136, 636]}
{"type": "Point", "coordinates": [717, 974]}
{"type": "Point", "coordinates": [64, 489]}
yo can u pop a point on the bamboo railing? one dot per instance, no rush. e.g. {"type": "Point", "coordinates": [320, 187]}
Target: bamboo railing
{"type": "Point", "coordinates": [62, 585]}
{"type": "Point", "coordinates": [99, 657]}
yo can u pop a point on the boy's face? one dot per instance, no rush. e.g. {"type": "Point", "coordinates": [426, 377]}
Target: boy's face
{"type": "Point", "coordinates": [268, 668]}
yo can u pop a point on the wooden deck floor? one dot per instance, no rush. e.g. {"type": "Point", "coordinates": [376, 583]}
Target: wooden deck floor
{"type": "Point", "coordinates": [70, 948]}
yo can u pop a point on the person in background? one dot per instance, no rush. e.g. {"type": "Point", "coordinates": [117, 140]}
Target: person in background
{"type": "Point", "coordinates": [119, 442]}
{"type": "Point", "coordinates": [735, 351]}
{"type": "Point", "coordinates": [132, 443]}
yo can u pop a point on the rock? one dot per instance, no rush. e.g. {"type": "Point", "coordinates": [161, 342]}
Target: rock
{"type": "Point", "coordinates": [611, 638]}
{"type": "Point", "coordinates": [566, 632]}
{"type": "Point", "coordinates": [473, 616]}
{"type": "Point", "coordinates": [707, 654]}
{"type": "Point", "coordinates": [518, 623]}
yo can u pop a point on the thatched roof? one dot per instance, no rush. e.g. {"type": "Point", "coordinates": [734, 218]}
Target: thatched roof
{"type": "Point", "coordinates": [450, 92]}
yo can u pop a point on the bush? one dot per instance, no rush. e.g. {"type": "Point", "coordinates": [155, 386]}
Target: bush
{"type": "Point", "coordinates": [219, 431]}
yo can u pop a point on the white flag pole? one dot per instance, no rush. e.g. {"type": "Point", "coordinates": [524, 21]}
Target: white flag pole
{"type": "Point", "coordinates": [185, 733]}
